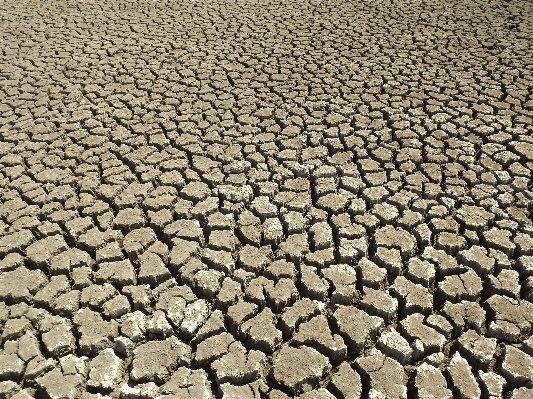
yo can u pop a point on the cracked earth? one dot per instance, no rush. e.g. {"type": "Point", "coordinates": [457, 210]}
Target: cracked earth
{"type": "Point", "coordinates": [266, 199]}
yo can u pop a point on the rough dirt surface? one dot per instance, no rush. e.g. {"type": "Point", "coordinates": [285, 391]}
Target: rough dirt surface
{"type": "Point", "coordinates": [266, 199]}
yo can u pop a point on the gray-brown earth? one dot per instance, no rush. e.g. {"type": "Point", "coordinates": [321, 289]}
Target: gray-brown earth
{"type": "Point", "coordinates": [266, 199]}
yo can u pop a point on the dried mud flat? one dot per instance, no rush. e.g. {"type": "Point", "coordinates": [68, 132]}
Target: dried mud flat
{"type": "Point", "coordinates": [266, 199]}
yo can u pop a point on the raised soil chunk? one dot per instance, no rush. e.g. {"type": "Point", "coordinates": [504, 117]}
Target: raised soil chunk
{"type": "Point", "coordinates": [120, 273]}
{"type": "Point", "coordinates": [95, 295]}
{"type": "Point", "coordinates": [379, 303]}
{"type": "Point", "coordinates": [137, 241]}
{"type": "Point", "coordinates": [430, 383]}
{"type": "Point", "coordinates": [346, 382]}
{"type": "Point", "coordinates": [157, 326]}
{"type": "Point", "coordinates": [194, 317]}
{"type": "Point", "coordinates": [188, 271]}
{"type": "Point", "coordinates": [181, 253]}
{"type": "Point", "coordinates": [491, 384]}
{"type": "Point", "coordinates": [41, 252]}
{"type": "Point", "coordinates": [12, 367]}
{"type": "Point", "coordinates": [105, 370]}
{"type": "Point", "coordinates": [474, 217]}
{"type": "Point", "coordinates": [340, 275]}
{"type": "Point", "coordinates": [272, 231]}
{"type": "Point", "coordinates": [16, 327]}
{"type": "Point", "coordinates": [139, 295]}
{"type": "Point", "coordinates": [351, 249]}
{"type": "Point", "coordinates": [261, 332]}
{"type": "Point", "coordinates": [94, 239]}
{"type": "Point", "coordinates": [391, 237]}
{"type": "Point", "coordinates": [295, 246]}
{"type": "Point", "coordinates": [17, 242]}
{"type": "Point", "coordinates": [334, 203]}
{"type": "Point", "coordinates": [524, 265]}
{"type": "Point", "coordinates": [299, 369]}
{"type": "Point", "coordinates": [455, 288]}
{"type": "Point", "coordinates": [414, 298]}
{"type": "Point", "coordinates": [11, 261]}
{"type": "Point", "coordinates": [413, 328]}
{"type": "Point", "coordinates": [522, 393]}
{"type": "Point", "coordinates": [451, 243]}
{"type": "Point", "coordinates": [476, 348]}
{"type": "Point", "coordinates": [230, 391]}
{"type": "Point", "coordinates": [208, 282]}
{"type": "Point", "coordinates": [390, 259]}
{"type": "Point", "coordinates": [263, 208]}
{"type": "Point", "coordinates": [212, 348]}
{"type": "Point", "coordinates": [229, 294]}
{"type": "Point", "coordinates": [420, 272]}
{"type": "Point", "coordinates": [464, 314]}
{"type": "Point", "coordinates": [294, 222]}
{"type": "Point", "coordinates": [152, 269]}
{"type": "Point", "coordinates": [445, 264]}
{"type": "Point", "coordinates": [238, 366]}
{"type": "Point", "coordinates": [185, 383]}
{"type": "Point", "coordinates": [511, 318]}
{"type": "Point", "coordinates": [464, 384]}
{"type": "Point", "coordinates": [317, 334]}
{"type": "Point", "coordinates": [58, 385]}
{"type": "Point", "coordinates": [241, 312]}
{"type": "Point", "coordinates": [70, 259]}
{"type": "Point", "coordinates": [312, 285]}
{"type": "Point", "coordinates": [195, 191]}
{"type": "Point", "coordinates": [321, 236]}
{"type": "Point", "coordinates": [59, 340]}
{"type": "Point", "coordinates": [205, 208]}
{"type": "Point", "coordinates": [95, 333]}
{"type": "Point", "coordinates": [220, 260]}
{"type": "Point", "coordinates": [81, 277]}
{"type": "Point", "coordinates": [250, 234]}
{"type": "Point", "coordinates": [517, 366]}
{"type": "Point", "coordinates": [29, 346]}
{"type": "Point", "coordinates": [392, 344]}
{"type": "Point", "coordinates": [500, 239]}
{"type": "Point", "coordinates": [282, 294]}
{"type": "Point", "coordinates": [356, 327]}
{"type": "Point", "coordinates": [10, 389]}
{"type": "Point", "coordinates": [370, 274]}
{"type": "Point", "coordinates": [302, 310]}
{"type": "Point", "coordinates": [21, 284]}
{"type": "Point", "coordinates": [256, 290]}
{"type": "Point", "coordinates": [385, 374]}
{"type": "Point", "coordinates": [222, 240]}
{"type": "Point", "coordinates": [38, 366]}
{"type": "Point", "coordinates": [214, 325]}
{"type": "Point", "coordinates": [156, 360]}
{"type": "Point", "coordinates": [253, 259]}
{"type": "Point", "coordinates": [476, 258]}
{"type": "Point", "coordinates": [109, 253]}
{"type": "Point", "coordinates": [321, 258]}
{"type": "Point", "coordinates": [506, 283]}
{"type": "Point", "coordinates": [148, 390]}
{"type": "Point", "coordinates": [133, 325]}
{"type": "Point", "coordinates": [524, 244]}
{"type": "Point", "coordinates": [441, 324]}
{"type": "Point", "coordinates": [189, 230]}
{"type": "Point", "coordinates": [129, 219]}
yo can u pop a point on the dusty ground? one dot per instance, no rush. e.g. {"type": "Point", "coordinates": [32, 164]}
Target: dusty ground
{"type": "Point", "coordinates": [266, 199]}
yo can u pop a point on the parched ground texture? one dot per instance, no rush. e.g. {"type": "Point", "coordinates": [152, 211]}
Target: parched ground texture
{"type": "Point", "coordinates": [266, 199]}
